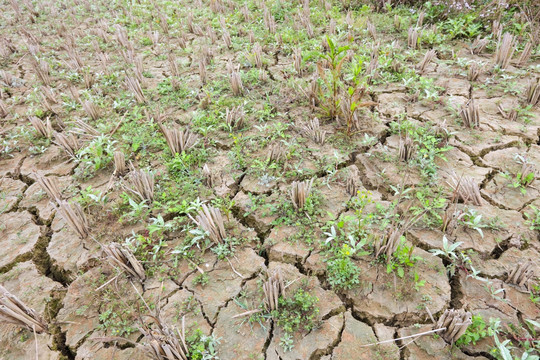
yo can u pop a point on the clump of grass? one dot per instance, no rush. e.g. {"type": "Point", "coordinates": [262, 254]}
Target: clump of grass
{"type": "Point", "coordinates": [456, 323]}
{"type": "Point", "coordinates": [179, 141]}
{"type": "Point", "coordinates": [74, 217]}
{"type": "Point", "coordinates": [125, 260]}
{"type": "Point", "coordinates": [505, 50]}
{"type": "Point", "coordinates": [14, 311]}
{"type": "Point", "coordinates": [300, 191]}
{"type": "Point", "coordinates": [470, 115]}
{"type": "Point", "coordinates": [521, 274]}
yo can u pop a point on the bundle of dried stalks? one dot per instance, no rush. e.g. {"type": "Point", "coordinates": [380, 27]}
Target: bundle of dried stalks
{"type": "Point", "coordinates": [521, 274]}
{"type": "Point", "coordinates": [479, 45]}
{"type": "Point", "coordinates": [505, 50]}
{"type": "Point", "coordinates": [273, 288]}
{"type": "Point", "coordinates": [276, 152]}
{"type": "Point", "coordinates": [135, 87]}
{"type": "Point", "coordinates": [121, 37]}
{"type": "Point", "coordinates": [456, 323]}
{"type": "Point", "coordinates": [299, 193]}
{"type": "Point", "coordinates": [202, 71]}
{"type": "Point", "coordinates": [371, 30]}
{"type": "Point", "coordinates": [138, 70]}
{"type": "Point", "coordinates": [47, 93]}
{"type": "Point", "coordinates": [84, 130]}
{"type": "Point", "coordinates": [257, 54]}
{"type": "Point", "coordinates": [388, 244]}
{"type": "Point", "coordinates": [528, 173]}
{"type": "Point", "coordinates": [466, 189]}
{"type": "Point", "coordinates": [42, 70]}
{"type": "Point", "coordinates": [163, 343]}
{"type": "Point", "coordinates": [67, 142]}
{"type": "Point", "coordinates": [420, 21]}
{"type": "Point", "coordinates": [210, 220]}
{"type": "Point", "coordinates": [236, 82]}
{"type": "Point", "coordinates": [125, 260]}
{"type": "Point", "coordinates": [154, 37]}
{"type": "Point", "coordinates": [496, 29]}
{"type": "Point", "coordinates": [450, 220]}
{"type": "Point", "coordinates": [428, 57]}
{"type": "Point", "coordinates": [245, 12]}
{"type": "Point", "coordinates": [74, 217]}
{"type": "Point", "coordinates": [474, 72]}
{"type": "Point", "coordinates": [14, 311]}
{"type": "Point", "coordinates": [44, 129]}
{"type": "Point", "coordinates": [412, 38]}
{"type": "Point", "coordinates": [234, 117]}
{"type": "Point", "coordinates": [208, 178]}
{"type": "Point", "coordinates": [141, 184]}
{"type": "Point", "coordinates": [91, 109]}
{"type": "Point", "coordinates": [50, 186]}
{"type": "Point", "coordinates": [297, 60]}
{"type": "Point", "coordinates": [508, 115]}
{"type": "Point", "coordinates": [3, 109]}
{"type": "Point", "coordinates": [406, 149]}
{"type": "Point", "coordinates": [120, 167]}
{"type": "Point", "coordinates": [313, 131]}
{"type": "Point", "coordinates": [533, 92]}
{"type": "Point", "coordinates": [179, 140]}
{"type": "Point", "coordinates": [269, 20]}
{"type": "Point", "coordinates": [226, 38]}
{"type": "Point", "coordinates": [350, 185]}
{"type": "Point", "coordinates": [371, 69]}
{"type": "Point", "coordinates": [173, 66]}
{"type": "Point", "coordinates": [525, 55]}
{"type": "Point", "coordinates": [470, 115]}
{"type": "Point", "coordinates": [397, 22]}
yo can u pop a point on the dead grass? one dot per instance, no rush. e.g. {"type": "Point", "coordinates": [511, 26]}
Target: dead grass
{"type": "Point", "coordinates": [456, 323]}
{"type": "Point", "coordinates": [299, 192]}
{"type": "Point", "coordinates": [210, 220]}
{"type": "Point", "coordinates": [125, 260]}
{"type": "Point", "coordinates": [74, 216]}
{"type": "Point", "coordinates": [14, 311]}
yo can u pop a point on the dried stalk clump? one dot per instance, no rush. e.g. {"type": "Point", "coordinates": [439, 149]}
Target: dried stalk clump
{"type": "Point", "coordinates": [456, 323]}
{"type": "Point", "coordinates": [479, 45]}
{"type": "Point", "coordinates": [273, 288]}
{"type": "Point", "coordinates": [525, 55]}
{"type": "Point", "coordinates": [533, 92]}
{"type": "Point", "coordinates": [42, 70]}
{"type": "Point", "coordinates": [74, 217]}
{"type": "Point", "coordinates": [44, 129]}
{"type": "Point", "coordinates": [135, 87]}
{"type": "Point", "coordinates": [91, 109]}
{"type": "Point", "coordinates": [470, 115]}
{"type": "Point", "coordinates": [164, 343]}
{"type": "Point", "coordinates": [474, 72]}
{"type": "Point", "coordinates": [257, 54]}
{"type": "Point", "coordinates": [208, 178]}
{"type": "Point", "coordinates": [3, 109]}
{"type": "Point", "coordinates": [299, 193]}
{"type": "Point", "coordinates": [412, 38]}
{"type": "Point", "coordinates": [234, 117]}
{"type": "Point", "coordinates": [120, 167]}
{"type": "Point", "coordinates": [350, 185]}
{"type": "Point", "coordinates": [179, 140]}
{"type": "Point", "coordinates": [521, 274]}
{"type": "Point", "coordinates": [297, 60]}
{"type": "Point", "coordinates": [50, 186]}
{"type": "Point", "coordinates": [313, 130]}
{"type": "Point", "coordinates": [210, 220]}
{"type": "Point", "coordinates": [397, 22]}
{"type": "Point", "coordinates": [275, 153]}
{"type": "Point", "coordinates": [505, 50]}
{"type": "Point", "coordinates": [14, 311]}
{"type": "Point", "coordinates": [125, 260]}
{"type": "Point", "coordinates": [236, 82]}
{"type": "Point", "coordinates": [422, 65]}
{"type": "Point", "coordinates": [466, 189]}
{"type": "Point", "coordinates": [67, 142]}
{"type": "Point", "coordinates": [85, 130]}
{"type": "Point", "coordinates": [511, 115]}
{"type": "Point", "coordinates": [141, 184]}
{"type": "Point", "coordinates": [406, 149]}
{"type": "Point", "coordinates": [388, 244]}
{"type": "Point", "coordinates": [371, 30]}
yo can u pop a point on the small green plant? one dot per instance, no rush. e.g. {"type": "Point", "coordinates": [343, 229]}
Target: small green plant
{"type": "Point", "coordinates": [201, 278]}
{"type": "Point", "coordinates": [475, 332]}
{"type": "Point", "coordinates": [202, 347]}
{"type": "Point", "coordinates": [402, 258]}
{"type": "Point", "coordinates": [297, 312]}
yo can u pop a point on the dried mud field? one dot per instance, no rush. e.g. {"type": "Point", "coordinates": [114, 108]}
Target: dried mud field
{"type": "Point", "coordinates": [230, 179]}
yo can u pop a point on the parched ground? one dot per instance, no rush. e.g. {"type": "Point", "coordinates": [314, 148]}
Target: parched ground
{"type": "Point", "coordinates": [82, 82]}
